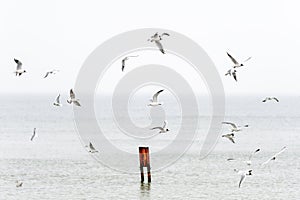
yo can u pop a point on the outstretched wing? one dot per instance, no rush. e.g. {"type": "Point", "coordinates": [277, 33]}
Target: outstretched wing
{"type": "Point", "coordinates": [46, 74]}
{"type": "Point", "coordinates": [72, 94]}
{"type": "Point", "coordinates": [154, 98]}
{"type": "Point", "coordinates": [231, 139]}
{"type": "Point", "coordinates": [232, 59]}
{"type": "Point", "coordinates": [247, 59]}
{"type": "Point", "coordinates": [123, 64]}
{"type": "Point", "coordinates": [165, 124]}
{"type": "Point", "coordinates": [276, 99]}
{"type": "Point", "coordinates": [165, 34]}
{"type": "Point", "coordinates": [19, 64]}
{"type": "Point", "coordinates": [243, 176]}
{"type": "Point", "coordinates": [159, 45]}
{"type": "Point", "coordinates": [57, 99]}
{"type": "Point", "coordinates": [76, 103]}
{"type": "Point", "coordinates": [92, 147]}
{"type": "Point", "coordinates": [160, 128]}
{"type": "Point", "coordinates": [234, 75]}
{"type": "Point", "coordinates": [33, 135]}
{"type": "Point", "coordinates": [252, 154]}
{"type": "Point", "coordinates": [282, 150]}
{"type": "Point", "coordinates": [230, 123]}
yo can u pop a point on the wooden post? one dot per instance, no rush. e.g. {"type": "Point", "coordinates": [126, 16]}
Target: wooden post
{"type": "Point", "coordinates": [145, 162]}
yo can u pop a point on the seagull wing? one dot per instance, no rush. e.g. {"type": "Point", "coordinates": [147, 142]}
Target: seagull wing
{"type": "Point", "coordinates": [159, 45]}
{"type": "Point", "coordinates": [231, 139]}
{"type": "Point", "coordinates": [243, 176]}
{"type": "Point", "coordinates": [19, 64]}
{"type": "Point", "coordinates": [231, 124]}
{"type": "Point", "coordinates": [92, 147]}
{"type": "Point", "coordinates": [234, 75]}
{"type": "Point", "coordinates": [123, 64]}
{"type": "Point", "coordinates": [72, 94]}
{"type": "Point", "coordinates": [247, 59]}
{"type": "Point", "coordinates": [33, 135]}
{"type": "Point", "coordinates": [165, 124]}
{"type": "Point", "coordinates": [163, 34]}
{"type": "Point", "coordinates": [232, 59]}
{"type": "Point", "coordinates": [154, 99]}
{"type": "Point", "coordinates": [252, 154]}
{"type": "Point", "coordinates": [160, 128]}
{"type": "Point", "coordinates": [276, 99]}
{"type": "Point", "coordinates": [281, 151]}
{"type": "Point", "coordinates": [57, 99]}
{"type": "Point", "coordinates": [46, 74]}
{"type": "Point", "coordinates": [76, 103]}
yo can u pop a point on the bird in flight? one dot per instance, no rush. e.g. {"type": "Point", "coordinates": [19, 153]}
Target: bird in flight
{"type": "Point", "coordinates": [243, 175]}
{"type": "Point", "coordinates": [33, 135]}
{"type": "Point", "coordinates": [270, 99]}
{"type": "Point", "coordinates": [234, 127]}
{"type": "Point", "coordinates": [19, 183]}
{"type": "Point", "coordinates": [274, 156]}
{"type": "Point", "coordinates": [249, 161]}
{"type": "Point", "coordinates": [156, 38]}
{"type": "Point", "coordinates": [51, 72]}
{"type": "Point", "coordinates": [73, 99]}
{"type": "Point", "coordinates": [124, 60]}
{"type": "Point", "coordinates": [92, 148]}
{"type": "Point", "coordinates": [230, 137]}
{"type": "Point", "coordinates": [233, 73]}
{"type": "Point", "coordinates": [236, 63]}
{"type": "Point", "coordinates": [154, 101]}
{"type": "Point", "coordinates": [162, 129]}
{"type": "Point", "coordinates": [19, 70]}
{"type": "Point", "coordinates": [57, 101]}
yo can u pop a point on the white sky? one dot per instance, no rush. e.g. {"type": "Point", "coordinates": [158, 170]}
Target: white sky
{"type": "Point", "coordinates": [61, 34]}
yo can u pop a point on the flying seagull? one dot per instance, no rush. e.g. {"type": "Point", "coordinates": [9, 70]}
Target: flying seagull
{"type": "Point", "coordinates": [154, 101]}
{"type": "Point", "coordinates": [33, 135]}
{"type": "Point", "coordinates": [236, 63]}
{"type": "Point", "coordinates": [234, 127]}
{"type": "Point", "coordinates": [19, 70]}
{"type": "Point", "coordinates": [230, 136]}
{"type": "Point", "coordinates": [156, 38]}
{"type": "Point", "coordinates": [57, 102]}
{"type": "Point", "coordinates": [243, 175]}
{"type": "Point", "coordinates": [274, 156]}
{"type": "Point", "coordinates": [163, 129]}
{"type": "Point", "coordinates": [270, 98]}
{"type": "Point", "coordinates": [233, 73]}
{"type": "Point", "coordinates": [124, 59]}
{"type": "Point", "coordinates": [19, 183]}
{"type": "Point", "coordinates": [249, 162]}
{"type": "Point", "coordinates": [73, 99]}
{"type": "Point", "coordinates": [51, 72]}
{"type": "Point", "coordinates": [92, 148]}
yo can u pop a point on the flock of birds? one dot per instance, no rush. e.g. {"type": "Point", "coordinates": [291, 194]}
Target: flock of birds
{"type": "Point", "coordinates": [157, 39]}
{"type": "Point", "coordinates": [236, 128]}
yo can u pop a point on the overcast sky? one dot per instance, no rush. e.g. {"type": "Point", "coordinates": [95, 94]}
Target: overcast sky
{"type": "Point", "coordinates": [61, 34]}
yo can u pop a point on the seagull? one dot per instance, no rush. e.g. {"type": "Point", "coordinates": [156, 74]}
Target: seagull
{"type": "Point", "coordinates": [163, 129]}
{"type": "Point", "coordinates": [249, 162]}
{"type": "Point", "coordinates": [153, 101]}
{"type": "Point", "coordinates": [274, 156]}
{"type": "Point", "coordinates": [230, 136]}
{"type": "Point", "coordinates": [230, 159]}
{"type": "Point", "coordinates": [232, 72]}
{"type": "Point", "coordinates": [33, 135]}
{"type": "Point", "coordinates": [157, 38]}
{"type": "Point", "coordinates": [19, 183]}
{"type": "Point", "coordinates": [92, 148]}
{"type": "Point", "coordinates": [73, 99]}
{"type": "Point", "coordinates": [124, 59]}
{"type": "Point", "coordinates": [270, 98]}
{"type": "Point", "coordinates": [235, 128]}
{"type": "Point", "coordinates": [57, 102]}
{"type": "Point", "coordinates": [51, 72]}
{"type": "Point", "coordinates": [236, 63]}
{"type": "Point", "coordinates": [19, 70]}
{"type": "Point", "coordinates": [243, 175]}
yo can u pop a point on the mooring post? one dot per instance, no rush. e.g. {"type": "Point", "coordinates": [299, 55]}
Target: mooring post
{"type": "Point", "coordinates": [145, 162]}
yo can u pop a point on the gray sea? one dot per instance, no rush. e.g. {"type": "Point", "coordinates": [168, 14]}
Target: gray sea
{"type": "Point", "coordinates": [56, 164]}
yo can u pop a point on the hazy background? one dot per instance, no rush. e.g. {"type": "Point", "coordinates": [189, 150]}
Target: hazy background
{"type": "Point", "coordinates": [61, 34]}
